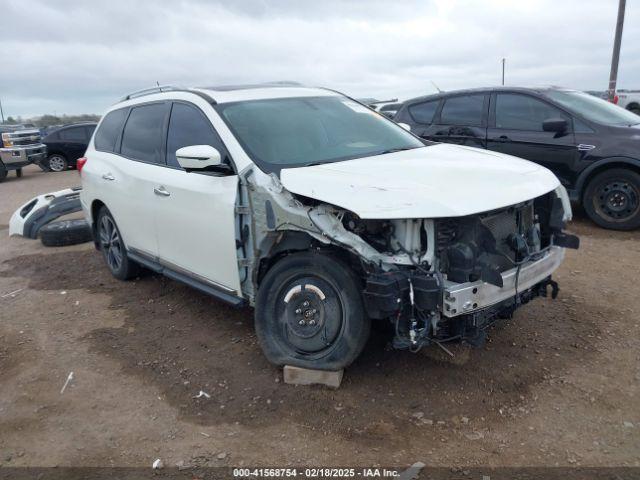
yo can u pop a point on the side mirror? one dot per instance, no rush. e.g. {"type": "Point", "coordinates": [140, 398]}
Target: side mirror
{"type": "Point", "coordinates": [406, 126]}
{"type": "Point", "coordinates": [557, 125]}
{"type": "Point", "coordinates": [198, 157]}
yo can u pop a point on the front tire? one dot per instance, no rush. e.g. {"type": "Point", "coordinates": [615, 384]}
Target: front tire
{"type": "Point", "coordinates": [19, 173]}
{"type": "Point", "coordinates": [612, 199]}
{"type": "Point", "coordinates": [309, 313]}
{"type": "Point", "coordinates": [113, 248]}
{"type": "Point", "coordinates": [57, 163]}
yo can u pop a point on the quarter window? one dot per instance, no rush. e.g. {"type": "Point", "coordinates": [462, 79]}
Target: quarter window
{"type": "Point", "coordinates": [465, 110]}
{"type": "Point", "coordinates": [424, 112]}
{"type": "Point", "coordinates": [188, 126]}
{"type": "Point", "coordinates": [109, 130]}
{"type": "Point", "coordinates": [522, 112]}
{"type": "Point", "coordinates": [142, 137]}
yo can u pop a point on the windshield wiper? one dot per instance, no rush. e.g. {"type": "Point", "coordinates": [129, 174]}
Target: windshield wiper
{"type": "Point", "coordinates": [394, 150]}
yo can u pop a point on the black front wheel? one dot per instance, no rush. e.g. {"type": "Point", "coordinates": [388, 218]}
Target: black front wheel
{"type": "Point", "coordinates": [309, 313]}
{"type": "Point", "coordinates": [612, 199]}
{"type": "Point", "coordinates": [113, 247]}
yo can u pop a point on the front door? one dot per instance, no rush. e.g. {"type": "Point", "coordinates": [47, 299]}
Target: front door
{"type": "Point", "coordinates": [515, 128]}
{"type": "Point", "coordinates": [195, 214]}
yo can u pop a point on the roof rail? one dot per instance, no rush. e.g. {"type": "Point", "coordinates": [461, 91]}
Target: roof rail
{"type": "Point", "coordinates": [149, 91]}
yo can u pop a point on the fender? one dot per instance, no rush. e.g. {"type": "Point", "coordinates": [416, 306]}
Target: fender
{"type": "Point", "coordinates": [580, 183]}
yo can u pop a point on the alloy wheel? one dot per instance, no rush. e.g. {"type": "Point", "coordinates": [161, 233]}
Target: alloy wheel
{"type": "Point", "coordinates": [57, 163]}
{"type": "Point", "coordinates": [110, 243]}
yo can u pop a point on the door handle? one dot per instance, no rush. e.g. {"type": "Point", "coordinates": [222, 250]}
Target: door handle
{"type": "Point", "coordinates": [161, 191]}
{"type": "Point", "coordinates": [108, 176]}
{"type": "Point", "coordinates": [503, 139]}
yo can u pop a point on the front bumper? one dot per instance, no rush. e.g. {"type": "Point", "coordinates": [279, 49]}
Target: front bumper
{"type": "Point", "coordinates": [465, 298]}
{"type": "Point", "coordinates": [17, 157]}
{"type": "Point", "coordinates": [37, 212]}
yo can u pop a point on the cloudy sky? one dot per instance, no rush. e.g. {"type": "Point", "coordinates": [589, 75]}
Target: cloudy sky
{"type": "Point", "coordinates": [68, 56]}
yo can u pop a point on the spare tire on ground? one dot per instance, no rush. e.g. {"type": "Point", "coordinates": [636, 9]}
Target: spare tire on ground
{"type": "Point", "coordinates": [65, 232]}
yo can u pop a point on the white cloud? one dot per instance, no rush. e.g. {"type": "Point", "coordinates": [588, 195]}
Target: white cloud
{"type": "Point", "coordinates": [73, 56]}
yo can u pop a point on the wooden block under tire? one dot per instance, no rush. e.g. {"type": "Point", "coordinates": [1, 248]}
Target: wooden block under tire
{"type": "Point", "coordinates": [305, 376]}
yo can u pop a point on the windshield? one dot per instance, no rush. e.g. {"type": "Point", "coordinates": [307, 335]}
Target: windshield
{"type": "Point", "coordinates": [293, 132]}
{"type": "Point", "coordinates": [594, 109]}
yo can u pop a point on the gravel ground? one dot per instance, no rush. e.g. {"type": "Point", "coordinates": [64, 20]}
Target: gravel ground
{"type": "Point", "coordinates": [557, 385]}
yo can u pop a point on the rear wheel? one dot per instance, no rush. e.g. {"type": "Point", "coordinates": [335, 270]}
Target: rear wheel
{"type": "Point", "coordinates": [309, 313]}
{"type": "Point", "coordinates": [612, 199]}
{"type": "Point", "coordinates": [3, 172]}
{"type": "Point", "coordinates": [635, 108]}
{"type": "Point", "coordinates": [19, 172]}
{"type": "Point", "coordinates": [57, 163]}
{"type": "Point", "coordinates": [113, 247]}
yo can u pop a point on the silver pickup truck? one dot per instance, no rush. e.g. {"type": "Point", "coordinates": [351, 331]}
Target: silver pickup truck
{"type": "Point", "coordinates": [19, 147]}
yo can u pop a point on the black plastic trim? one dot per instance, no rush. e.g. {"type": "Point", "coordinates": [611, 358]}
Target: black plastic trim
{"type": "Point", "coordinates": [190, 281]}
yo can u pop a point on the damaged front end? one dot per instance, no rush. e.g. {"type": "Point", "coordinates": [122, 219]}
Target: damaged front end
{"type": "Point", "coordinates": [434, 280]}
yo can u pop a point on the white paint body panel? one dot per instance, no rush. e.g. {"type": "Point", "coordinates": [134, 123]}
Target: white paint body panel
{"type": "Point", "coordinates": [442, 180]}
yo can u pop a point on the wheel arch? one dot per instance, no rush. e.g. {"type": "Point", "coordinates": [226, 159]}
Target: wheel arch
{"type": "Point", "coordinates": [96, 205]}
{"type": "Point", "coordinates": [614, 162]}
{"type": "Point", "coordinates": [292, 241]}
{"type": "Point", "coordinates": [633, 106]}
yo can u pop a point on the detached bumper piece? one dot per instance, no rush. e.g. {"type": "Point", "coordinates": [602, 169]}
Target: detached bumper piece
{"type": "Point", "coordinates": [37, 212]}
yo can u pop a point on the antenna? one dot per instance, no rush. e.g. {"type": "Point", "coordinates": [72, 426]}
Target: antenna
{"type": "Point", "coordinates": [434, 84]}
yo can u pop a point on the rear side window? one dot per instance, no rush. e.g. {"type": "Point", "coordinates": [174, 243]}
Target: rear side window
{"type": "Point", "coordinates": [142, 136]}
{"type": "Point", "coordinates": [109, 130]}
{"type": "Point", "coordinates": [89, 130]}
{"type": "Point", "coordinates": [424, 112]}
{"type": "Point", "coordinates": [522, 112]}
{"type": "Point", "coordinates": [466, 110]}
{"type": "Point", "coordinates": [75, 134]}
{"type": "Point", "coordinates": [188, 126]}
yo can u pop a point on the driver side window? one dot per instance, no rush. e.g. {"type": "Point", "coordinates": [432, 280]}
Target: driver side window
{"type": "Point", "coordinates": [522, 112]}
{"type": "Point", "coordinates": [188, 126]}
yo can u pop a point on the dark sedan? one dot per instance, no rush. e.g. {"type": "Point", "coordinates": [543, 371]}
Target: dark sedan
{"type": "Point", "coordinates": [65, 145]}
{"type": "Point", "coordinates": [591, 145]}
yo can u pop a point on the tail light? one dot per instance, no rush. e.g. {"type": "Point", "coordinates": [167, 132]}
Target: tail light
{"type": "Point", "coordinates": [80, 163]}
{"type": "Point", "coordinates": [615, 99]}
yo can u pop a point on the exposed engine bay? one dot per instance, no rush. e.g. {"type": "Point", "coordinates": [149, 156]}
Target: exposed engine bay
{"type": "Point", "coordinates": [433, 280]}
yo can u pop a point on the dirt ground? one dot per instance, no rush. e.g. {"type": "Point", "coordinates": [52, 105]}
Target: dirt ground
{"type": "Point", "coordinates": [557, 385]}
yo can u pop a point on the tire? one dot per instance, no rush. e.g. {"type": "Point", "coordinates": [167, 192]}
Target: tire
{"type": "Point", "coordinates": [634, 109]}
{"type": "Point", "coordinates": [65, 232]}
{"type": "Point", "coordinates": [57, 163]}
{"type": "Point", "coordinates": [612, 199]}
{"type": "Point", "coordinates": [113, 248]}
{"type": "Point", "coordinates": [3, 172]}
{"type": "Point", "coordinates": [324, 327]}
{"type": "Point", "coordinates": [19, 173]}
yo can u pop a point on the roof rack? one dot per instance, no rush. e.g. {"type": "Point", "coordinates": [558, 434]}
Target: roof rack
{"type": "Point", "coordinates": [150, 91]}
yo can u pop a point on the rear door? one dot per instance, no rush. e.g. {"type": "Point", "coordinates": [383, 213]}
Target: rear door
{"type": "Point", "coordinates": [515, 128]}
{"type": "Point", "coordinates": [131, 176]}
{"type": "Point", "coordinates": [196, 214]}
{"type": "Point", "coordinates": [461, 119]}
{"type": "Point", "coordinates": [73, 141]}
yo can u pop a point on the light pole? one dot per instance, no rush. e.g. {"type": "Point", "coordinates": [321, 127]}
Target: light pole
{"type": "Point", "coordinates": [613, 77]}
{"type": "Point", "coordinates": [1, 112]}
{"type": "Point", "coordinates": [504, 60]}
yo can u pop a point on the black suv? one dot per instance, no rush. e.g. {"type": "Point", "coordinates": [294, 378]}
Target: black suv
{"type": "Point", "coordinates": [67, 144]}
{"type": "Point", "coordinates": [592, 145]}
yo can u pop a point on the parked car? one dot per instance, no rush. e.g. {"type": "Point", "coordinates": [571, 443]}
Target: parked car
{"type": "Point", "coordinates": [590, 144]}
{"type": "Point", "coordinates": [19, 147]}
{"type": "Point", "coordinates": [629, 99]}
{"type": "Point", "coordinates": [322, 214]}
{"type": "Point", "coordinates": [65, 145]}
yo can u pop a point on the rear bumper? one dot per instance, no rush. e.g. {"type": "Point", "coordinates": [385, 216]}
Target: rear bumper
{"type": "Point", "coordinates": [17, 157]}
{"type": "Point", "coordinates": [465, 298]}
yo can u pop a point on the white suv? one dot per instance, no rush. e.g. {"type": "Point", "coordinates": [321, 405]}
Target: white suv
{"type": "Point", "coordinates": [322, 214]}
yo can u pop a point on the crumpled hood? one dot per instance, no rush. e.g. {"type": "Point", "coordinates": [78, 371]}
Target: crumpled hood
{"type": "Point", "coordinates": [441, 180]}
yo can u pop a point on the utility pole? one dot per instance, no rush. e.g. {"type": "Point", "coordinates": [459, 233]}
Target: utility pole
{"type": "Point", "coordinates": [1, 112]}
{"type": "Point", "coordinates": [504, 60]}
{"type": "Point", "coordinates": [613, 77]}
